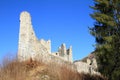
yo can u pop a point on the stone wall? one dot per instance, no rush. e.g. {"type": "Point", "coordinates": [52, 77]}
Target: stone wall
{"type": "Point", "coordinates": [86, 68]}
{"type": "Point", "coordinates": [30, 46]}
{"type": "Point", "coordinates": [64, 53]}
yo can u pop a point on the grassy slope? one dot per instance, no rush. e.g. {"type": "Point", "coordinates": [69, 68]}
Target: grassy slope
{"type": "Point", "coordinates": [33, 70]}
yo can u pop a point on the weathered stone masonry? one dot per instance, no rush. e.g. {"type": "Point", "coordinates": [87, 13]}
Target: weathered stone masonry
{"type": "Point", "coordinates": [30, 47]}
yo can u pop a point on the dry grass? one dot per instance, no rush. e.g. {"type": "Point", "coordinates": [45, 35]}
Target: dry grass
{"type": "Point", "coordinates": [15, 70]}
{"type": "Point", "coordinates": [65, 73]}
{"type": "Point", "coordinates": [33, 70]}
{"type": "Point", "coordinates": [12, 71]}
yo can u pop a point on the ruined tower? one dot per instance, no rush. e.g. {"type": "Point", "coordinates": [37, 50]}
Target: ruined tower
{"type": "Point", "coordinates": [26, 36]}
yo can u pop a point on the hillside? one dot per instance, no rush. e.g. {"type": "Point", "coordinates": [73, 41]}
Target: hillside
{"type": "Point", "coordinates": [33, 70]}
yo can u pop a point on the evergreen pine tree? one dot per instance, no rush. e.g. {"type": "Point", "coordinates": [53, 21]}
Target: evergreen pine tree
{"type": "Point", "coordinates": [106, 31]}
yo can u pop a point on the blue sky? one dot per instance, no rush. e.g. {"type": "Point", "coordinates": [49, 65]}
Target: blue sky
{"type": "Point", "coordinates": [61, 21]}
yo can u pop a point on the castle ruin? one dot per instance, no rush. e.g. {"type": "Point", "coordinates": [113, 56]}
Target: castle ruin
{"type": "Point", "coordinates": [30, 46]}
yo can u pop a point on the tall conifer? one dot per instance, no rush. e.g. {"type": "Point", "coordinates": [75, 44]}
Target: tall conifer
{"type": "Point", "coordinates": [106, 31]}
